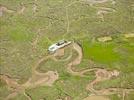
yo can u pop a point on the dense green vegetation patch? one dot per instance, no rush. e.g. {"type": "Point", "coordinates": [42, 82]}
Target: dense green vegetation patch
{"type": "Point", "coordinates": [101, 52]}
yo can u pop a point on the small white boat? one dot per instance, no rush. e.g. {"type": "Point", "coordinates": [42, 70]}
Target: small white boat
{"type": "Point", "coordinates": [58, 45]}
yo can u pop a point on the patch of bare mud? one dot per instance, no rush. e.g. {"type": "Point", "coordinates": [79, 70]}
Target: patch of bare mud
{"type": "Point", "coordinates": [59, 52]}
{"type": "Point", "coordinates": [58, 56]}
